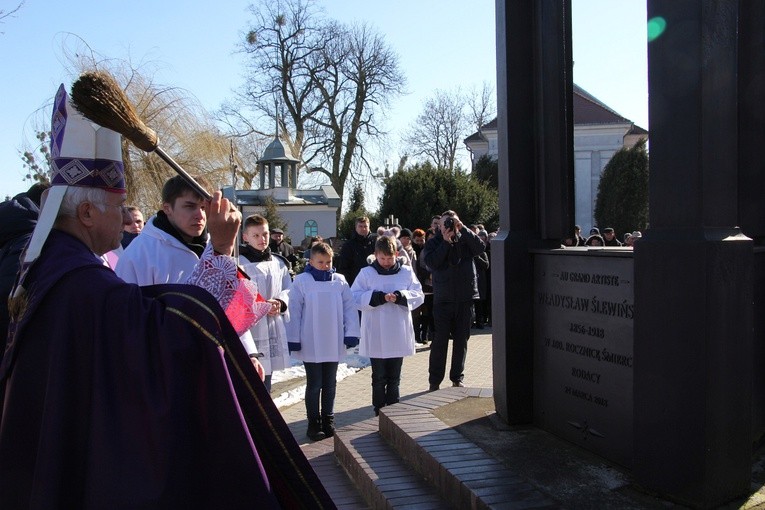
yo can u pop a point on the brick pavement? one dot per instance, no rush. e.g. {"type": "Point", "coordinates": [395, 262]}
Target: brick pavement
{"type": "Point", "coordinates": [353, 406]}
{"type": "Point", "coordinates": [353, 402]}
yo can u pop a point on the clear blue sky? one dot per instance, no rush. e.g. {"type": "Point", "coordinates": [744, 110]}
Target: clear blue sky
{"type": "Point", "coordinates": [441, 44]}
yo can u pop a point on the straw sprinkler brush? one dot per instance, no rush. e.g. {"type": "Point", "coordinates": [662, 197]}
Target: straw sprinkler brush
{"type": "Point", "coordinates": [98, 96]}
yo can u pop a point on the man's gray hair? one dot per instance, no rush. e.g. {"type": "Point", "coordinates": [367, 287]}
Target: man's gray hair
{"type": "Point", "coordinates": [76, 195]}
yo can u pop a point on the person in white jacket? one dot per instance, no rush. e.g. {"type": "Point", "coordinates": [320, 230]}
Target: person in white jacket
{"type": "Point", "coordinates": [323, 318]}
{"type": "Point", "coordinates": [270, 271]}
{"type": "Point", "coordinates": [386, 292]}
{"type": "Point", "coordinates": [171, 243]}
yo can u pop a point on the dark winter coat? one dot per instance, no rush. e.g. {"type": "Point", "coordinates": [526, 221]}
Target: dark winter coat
{"type": "Point", "coordinates": [18, 218]}
{"type": "Point", "coordinates": [481, 268]}
{"type": "Point", "coordinates": [353, 255]}
{"type": "Point", "coordinates": [452, 267]}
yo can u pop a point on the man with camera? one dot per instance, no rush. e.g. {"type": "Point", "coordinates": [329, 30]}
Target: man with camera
{"type": "Point", "coordinates": [449, 257]}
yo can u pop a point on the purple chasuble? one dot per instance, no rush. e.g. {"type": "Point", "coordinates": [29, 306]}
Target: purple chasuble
{"type": "Point", "coordinates": [120, 396]}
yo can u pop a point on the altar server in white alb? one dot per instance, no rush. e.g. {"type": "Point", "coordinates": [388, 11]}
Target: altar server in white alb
{"type": "Point", "coordinates": [172, 240]}
{"type": "Point", "coordinates": [271, 273]}
{"type": "Point", "coordinates": [171, 243]}
{"type": "Point", "coordinates": [386, 293]}
{"type": "Point", "coordinates": [323, 321]}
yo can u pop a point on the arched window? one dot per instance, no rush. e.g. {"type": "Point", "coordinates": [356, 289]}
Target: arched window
{"type": "Point", "coordinates": [311, 228]}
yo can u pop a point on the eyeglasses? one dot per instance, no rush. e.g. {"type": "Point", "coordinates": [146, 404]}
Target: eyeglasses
{"type": "Point", "coordinates": [123, 208]}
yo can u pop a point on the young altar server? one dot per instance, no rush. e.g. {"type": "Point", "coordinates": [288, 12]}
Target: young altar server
{"type": "Point", "coordinates": [323, 321]}
{"type": "Point", "coordinates": [386, 292]}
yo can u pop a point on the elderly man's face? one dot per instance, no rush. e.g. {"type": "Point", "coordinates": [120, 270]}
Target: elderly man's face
{"type": "Point", "coordinates": [108, 224]}
{"type": "Point", "coordinates": [278, 237]}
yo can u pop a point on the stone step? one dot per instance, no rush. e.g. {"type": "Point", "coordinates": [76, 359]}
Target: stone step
{"type": "Point", "coordinates": [461, 472]}
{"type": "Point", "coordinates": [383, 479]}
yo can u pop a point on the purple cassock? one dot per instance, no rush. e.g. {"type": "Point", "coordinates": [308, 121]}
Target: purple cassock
{"type": "Point", "coordinates": [119, 396]}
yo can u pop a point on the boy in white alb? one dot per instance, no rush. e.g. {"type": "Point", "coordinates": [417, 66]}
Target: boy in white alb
{"type": "Point", "coordinates": [323, 320]}
{"type": "Point", "coordinates": [386, 292]}
{"type": "Point", "coordinates": [171, 242]}
{"type": "Point", "coordinates": [270, 271]}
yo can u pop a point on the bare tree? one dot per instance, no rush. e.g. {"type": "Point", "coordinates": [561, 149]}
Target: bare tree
{"type": "Point", "coordinates": [437, 133]}
{"type": "Point", "coordinates": [186, 130]}
{"type": "Point", "coordinates": [7, 14]}
{"type": "Point", "coordinates": [482, 105]}
{"type": "Point", "coordinates": [332, 82]}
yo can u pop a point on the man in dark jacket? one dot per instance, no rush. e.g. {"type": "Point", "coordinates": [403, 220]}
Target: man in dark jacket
{"type": "Point", "coordinates": [18, 218]}
{"type": "Point", "coordinates": [609, 237]}
{"type": "Point", "coordinates": [279, 246]}
{"type": "Point", "coordinates": [354, 253]}
{"type": "Point", "coordinates": [449, 256]}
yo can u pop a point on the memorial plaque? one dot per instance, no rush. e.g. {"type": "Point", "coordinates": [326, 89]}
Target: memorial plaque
{"type": "Point", "coordinates": [583, 348]}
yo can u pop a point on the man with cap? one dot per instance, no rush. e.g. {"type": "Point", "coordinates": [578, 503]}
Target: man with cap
{"type": "Point", "coordinates": [405, 238]}
{"type": "Point", "coordinates": [120, 396]}
{"type": "Point", "coordinates": [609, 237]}
{"type": "Point", "coordinates": [279, 246]}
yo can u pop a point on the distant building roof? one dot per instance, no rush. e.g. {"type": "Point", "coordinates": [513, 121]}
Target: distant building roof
{"type": "Point", "coordinates": [325, 195]}
{"type": "Point", "coordinates": [276, 151]}
{"type": "Point", "coordinates": [588, 109]}
{"type": "Point", "coordinates": [476, 136]}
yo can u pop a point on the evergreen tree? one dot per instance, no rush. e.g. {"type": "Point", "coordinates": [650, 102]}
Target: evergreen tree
{"type": "Point", "coordinates": [622, 201]}
{"type": "Point", "coordinates": [271, 213]}
{"type": "Point", "coordinates": [420, 191]}
{"type": "Point", "coordinates": [486, 169]}
{"type": "Point", "coordinates": [357, 198]}
{"type": "Point", "coordinates": [347, 224]}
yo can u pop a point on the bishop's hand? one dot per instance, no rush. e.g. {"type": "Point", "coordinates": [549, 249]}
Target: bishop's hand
{"type": "Point", "coordinates": [223, 221]}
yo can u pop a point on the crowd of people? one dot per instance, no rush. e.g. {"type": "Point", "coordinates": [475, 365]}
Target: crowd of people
{"type": "Point", "coordinates": [607, 238]}
{"type": "Point", "coordinates": [383, 292]}
{"type": "Point", "coordinates": [125, 333]}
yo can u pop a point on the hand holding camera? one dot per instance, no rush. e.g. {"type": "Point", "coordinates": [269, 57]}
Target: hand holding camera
{"type": "Point", "coordinates": [451, 227]}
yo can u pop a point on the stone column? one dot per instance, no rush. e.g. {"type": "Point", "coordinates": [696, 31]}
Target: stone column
{"type": "Point", "coordinates": [271, 175]}
{"type": "Point", "coordinates": [285, 174]}
{"type": "Point", "coordinates": [536, 187]}
{"type": "Point", "coordinates": [693, 268]}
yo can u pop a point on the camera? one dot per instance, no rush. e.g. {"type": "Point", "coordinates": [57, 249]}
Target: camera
{"type": "Point", "coordinates": [449, 223]}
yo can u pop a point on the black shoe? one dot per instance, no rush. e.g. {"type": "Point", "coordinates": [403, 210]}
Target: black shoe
{"type": "Point", "coordinates": [328, 425]}
{"type": "Point", "coordinates": [433, 387]}
{"type": "Point", "coordinates": [457, 384]}
{"type": "Point", "coordinates": [314, 430]}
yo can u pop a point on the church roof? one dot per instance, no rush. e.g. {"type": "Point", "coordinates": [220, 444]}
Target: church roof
{"type": "Point", "coordinates": [588, 110]}
{"type": "Point", "coordinates": [277, 151]}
